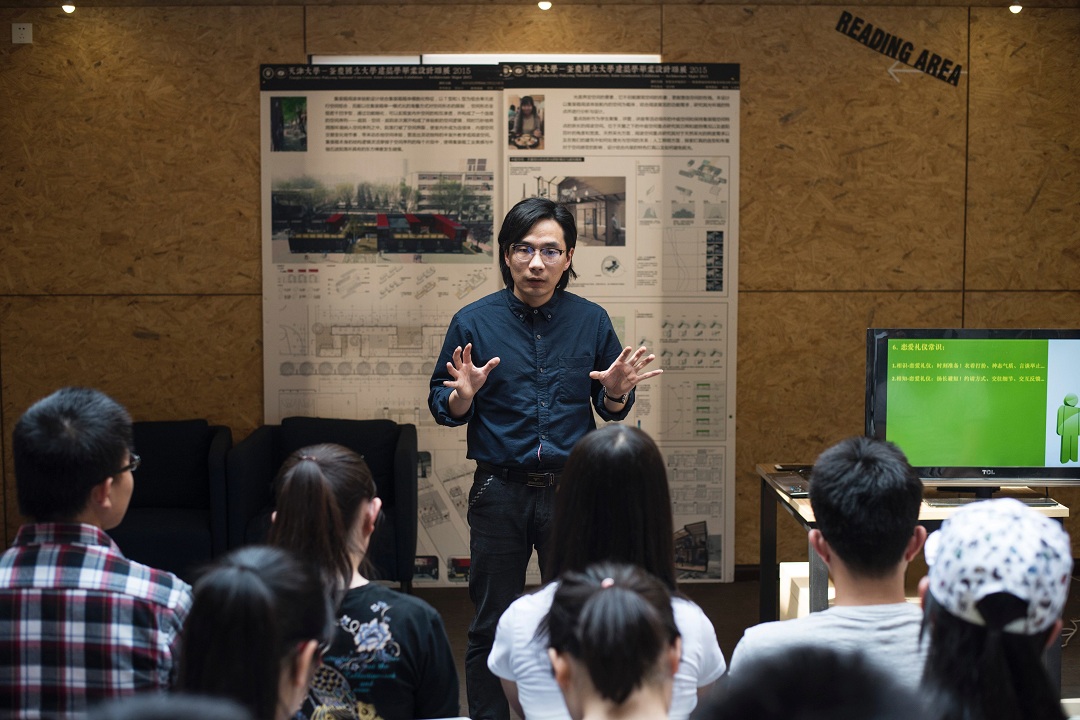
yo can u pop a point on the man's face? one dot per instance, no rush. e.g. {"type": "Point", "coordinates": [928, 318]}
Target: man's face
{"type": "Point", "coordinates": [534, 279]}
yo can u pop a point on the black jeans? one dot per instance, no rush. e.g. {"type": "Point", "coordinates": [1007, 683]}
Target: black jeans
{"type": "Point", "coordinates": [506, 521]}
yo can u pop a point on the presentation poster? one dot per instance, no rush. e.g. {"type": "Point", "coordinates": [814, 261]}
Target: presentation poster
{"type": "Point", "coordinates": [383, 188]}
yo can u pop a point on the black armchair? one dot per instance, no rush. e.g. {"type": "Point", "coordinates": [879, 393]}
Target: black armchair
{"type": "Point", "coordinates": [390, 452]}
{"type": "Point", "coordinates": [176, 518]}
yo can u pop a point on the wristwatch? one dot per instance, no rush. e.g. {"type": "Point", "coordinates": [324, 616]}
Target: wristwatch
{"type": "Point", "coordinates": [621, 400]}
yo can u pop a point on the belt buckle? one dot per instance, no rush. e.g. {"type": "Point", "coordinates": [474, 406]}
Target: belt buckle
{"type": "Point", "coordinates": [540, 480]}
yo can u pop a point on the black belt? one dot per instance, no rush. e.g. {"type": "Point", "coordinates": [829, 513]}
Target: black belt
{"type": "Point", "coordinates": [544, 479]}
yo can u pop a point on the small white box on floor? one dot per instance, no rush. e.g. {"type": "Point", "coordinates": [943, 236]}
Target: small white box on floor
{"type": "Point", "coordinates": [795, 590]}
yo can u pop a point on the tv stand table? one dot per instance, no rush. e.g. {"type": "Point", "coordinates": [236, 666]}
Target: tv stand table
{"type": "Point", "coordinates": [936, 507]}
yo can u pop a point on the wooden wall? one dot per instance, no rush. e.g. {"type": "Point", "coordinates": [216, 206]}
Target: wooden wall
{"type": "Point", "coordinates": [129, 192]}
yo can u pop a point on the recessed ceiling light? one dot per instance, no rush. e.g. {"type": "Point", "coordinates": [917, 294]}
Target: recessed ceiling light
{"type": "Point", "coordinates": [544, 5]}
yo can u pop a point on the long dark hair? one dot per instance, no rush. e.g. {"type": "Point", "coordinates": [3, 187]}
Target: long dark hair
{"type": "Point", "coordinates": [613, 504]}
{"type": "Point", "coordinates": [520, 220]}
{"type": "Point", "coordinates": [252, 609]}
{"type": "Point", "coordinates": [976, 672]}
{"type": "Point", "coordinates": [617, 620]}
{"type": "Point", "coordinates": [320, 490]}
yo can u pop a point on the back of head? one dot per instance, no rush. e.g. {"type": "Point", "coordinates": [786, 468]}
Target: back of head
{"type": "Point", "coordinates": [613, 504]}
{"type": "Point", "coordinates": [811, 683]}
{"type": "Point", "coordinates": [175, 706]}
{"type": "Point", "coordinates": [998, 582]}
{"type": "Point", "coordinates": [616, 620]}
{"type": "Point", "coordinates": [521, 219]}
{"type": "Point", "coordinates": [63, 446]}
{"type": "Point", "coordinates": [320, 490]}
{"type": "Point", "coordinates": [866, 501]}
{"type": "Point", "coordinates": [252, 610]}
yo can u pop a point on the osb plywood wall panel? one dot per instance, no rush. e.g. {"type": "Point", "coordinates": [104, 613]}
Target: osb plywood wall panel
{"type": "Point", "coordinates": [801, 380]}
{"type": "Point", "coordinates": [131, 156]}
{"type": "Point", "coordinates": [1031, 310]}
{"type": "Point", "coordinates": [129, 169]}
{"type": "Point", "coordinates": [372, 30]}
{"type": "Point", "coordinates": [1023, 231]}
{"type": "Point", "coordinates": [164, 358]}
{"type": "Point", "coordinates": [851, 179]}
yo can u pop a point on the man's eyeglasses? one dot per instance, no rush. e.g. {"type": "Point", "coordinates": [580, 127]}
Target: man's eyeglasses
{"type": "Point", "coordinates": [132, 466]}
{"type": "Point", "coordinates": [524, 253]}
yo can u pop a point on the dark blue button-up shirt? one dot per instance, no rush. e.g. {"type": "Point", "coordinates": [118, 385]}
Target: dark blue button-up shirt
{"type": "Point", "coordinates": [538, 402]}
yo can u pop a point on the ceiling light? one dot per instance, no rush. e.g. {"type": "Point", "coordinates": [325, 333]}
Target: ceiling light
{"type": "Point", "coordinates": [544, 5]}
{"type": "Point", "coordinates": [68, 8]}
{"type": "Point", "coordinates": [1015, 8]}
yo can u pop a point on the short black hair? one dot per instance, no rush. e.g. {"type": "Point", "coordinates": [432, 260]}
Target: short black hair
{"type": "Point", "coordinates": [866, 498]}
{"type": "Point", "coordinates": [819, 683]}
{"type": "Point", "coordinates": [63, 446]}
{"type": "Point", "coordinates": [521, 219]}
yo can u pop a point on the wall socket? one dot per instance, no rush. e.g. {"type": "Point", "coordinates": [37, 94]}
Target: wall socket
{"type": "Point", "coordinates": [22, 33]}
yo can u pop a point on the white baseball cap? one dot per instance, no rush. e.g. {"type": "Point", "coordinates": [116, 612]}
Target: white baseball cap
{"type": "Point", "coordinates": [996, 546]}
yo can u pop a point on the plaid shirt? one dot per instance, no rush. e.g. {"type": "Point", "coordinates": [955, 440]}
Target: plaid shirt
{"type": "Point", "coordinates": [79, 622]}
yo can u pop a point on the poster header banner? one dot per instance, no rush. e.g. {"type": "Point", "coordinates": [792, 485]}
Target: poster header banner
{"type": "Point", "coordinates": [291, 78]}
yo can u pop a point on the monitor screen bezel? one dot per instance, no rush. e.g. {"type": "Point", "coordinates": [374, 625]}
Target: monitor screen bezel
{"type": "Point", "coordinates": [877, 340]}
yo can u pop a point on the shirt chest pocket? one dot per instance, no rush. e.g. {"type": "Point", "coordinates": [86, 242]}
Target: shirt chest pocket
{"type": "Point", "coordinates": [574, 381]}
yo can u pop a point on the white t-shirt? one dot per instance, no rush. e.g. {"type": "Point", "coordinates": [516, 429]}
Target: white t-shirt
{"type": "Point", "coordinates": [888, 635]}
{"type": "Point", "coordinates": [516, 656]}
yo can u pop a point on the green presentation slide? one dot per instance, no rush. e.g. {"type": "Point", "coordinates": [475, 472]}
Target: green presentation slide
{"type": "Point", "coordinates": [968, 403]}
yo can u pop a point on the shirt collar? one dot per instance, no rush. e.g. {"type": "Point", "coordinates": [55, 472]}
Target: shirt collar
{"type": "Point", "coordinates": [547, 311]}
{"type": "Point", "coordinates": [59, 533]}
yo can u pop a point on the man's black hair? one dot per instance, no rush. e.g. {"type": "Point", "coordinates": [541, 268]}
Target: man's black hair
{"type": "Point", "coordinates": [63, 446]}
{"type": "Point", "coordinates": [520, 220]}
{"type": "Point", "coordinates": [866, 498]}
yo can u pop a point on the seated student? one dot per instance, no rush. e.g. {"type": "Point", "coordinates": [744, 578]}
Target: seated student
{"type": "Point", "coordinates": [998, 582]}
{"type": "Point", "coordinates": [256, 633]}
{"type": "Point", "coordinates": [176, 706]}
{"type": "Point", "coordinates": [812, 682]}
{"type": "Point", "coordinates": [613, 643]}
{"type": "Point", "coordinates": [389, 656]}
{"type": "Point", "coordinates": [866, 501]}
{"type": "Point", "coordinates": [612, 505]}
{"type": "Point", "coordinates": [79, 622]}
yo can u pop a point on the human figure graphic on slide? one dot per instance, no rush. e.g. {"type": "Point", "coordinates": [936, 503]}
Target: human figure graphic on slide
{"type": "Point", "coordinates": [1068, 427]}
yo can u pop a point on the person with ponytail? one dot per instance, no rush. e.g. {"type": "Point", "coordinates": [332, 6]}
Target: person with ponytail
{"type": "Point", "coordinates": [612, 505]}
{"type": "Point", "coordinates": [613, 644]}
{"type": "Point", "coordinates": [256, 631]}
{"type": "Point", "coordinates": [389, 656]}
{"type": "Point", "coordinates": [998, 582]}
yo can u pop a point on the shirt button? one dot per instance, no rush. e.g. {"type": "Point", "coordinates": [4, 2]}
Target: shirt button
{"type": "Point", "coordinates": [543, 404]}
{"type": "Point", "coordinates": [541, 369]}
{"type": "Point", "coordinates": [535, 311]}
{"type": "Point", "coordinates": [537, 337]}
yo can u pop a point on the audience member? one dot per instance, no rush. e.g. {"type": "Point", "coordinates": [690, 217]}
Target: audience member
{"type": "Point", "coordinates": [178, 706]}
{"type": "Point", "coordinates": [612, 505]}
{"type": "Point", "coordinates": [257, 628]}
{"type": "Point", "coordinates": [390, 656]}
{"type": "Point", "coordinates": [613, 644]}
{"type": "Point", "coordinates": [999, 578]}
{"type": "Point", "coordinates": [812, 682]}
{"type": "Point", "coordinates": [865, 498]}
{"type": "Point", "coordinates": [79, 622]}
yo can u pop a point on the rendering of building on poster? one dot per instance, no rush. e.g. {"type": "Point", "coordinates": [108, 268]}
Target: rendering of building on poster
{"type": "Point", "coordinates": [383, 188]}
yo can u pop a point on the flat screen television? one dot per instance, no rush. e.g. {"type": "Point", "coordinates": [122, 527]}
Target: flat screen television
{"type": "Point", "coordinates": [978, 407]}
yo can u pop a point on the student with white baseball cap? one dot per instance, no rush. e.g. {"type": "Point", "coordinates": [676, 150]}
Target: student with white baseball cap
{"type": "Point", "coordinates": [998, 582]}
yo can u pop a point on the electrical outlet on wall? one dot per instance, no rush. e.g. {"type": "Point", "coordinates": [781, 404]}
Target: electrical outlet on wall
{"type": "Point", "coordinates": [22, 33]}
